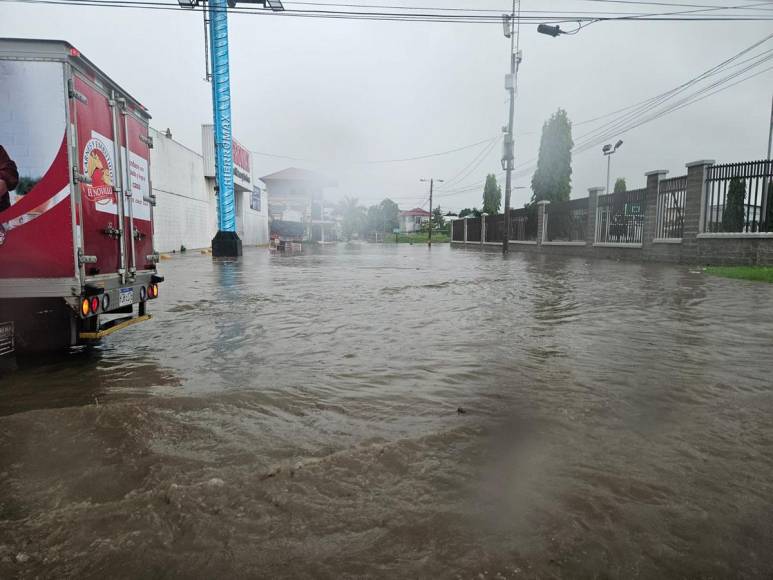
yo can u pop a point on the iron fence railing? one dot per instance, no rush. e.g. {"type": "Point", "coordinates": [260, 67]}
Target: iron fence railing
{"type": "Point", "coordinates": [457, 230]}
{"type": "Point", "coordinates": [523, 224]}
{"type": "Point", "coordinates": [567, 221]}
{"type": "Point", "coordinates": [672, 194]}
{"type": "Point", "coordinates": [620, 217]}
{"type": "Point", "coordinates": [738, 197]}
{"type": "Point", "coordinates": [473, 229]}
{"type": "Point", "coordinates": [495, 225]}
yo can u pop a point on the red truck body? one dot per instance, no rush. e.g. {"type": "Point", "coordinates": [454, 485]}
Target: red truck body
{"type": "Point", "coordinates": [76, 244]}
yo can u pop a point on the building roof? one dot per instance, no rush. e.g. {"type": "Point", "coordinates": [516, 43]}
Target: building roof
{"type": "Point", "coordinates": [296, 174]}
{"type": "Point", "coordinates": [415, 212]}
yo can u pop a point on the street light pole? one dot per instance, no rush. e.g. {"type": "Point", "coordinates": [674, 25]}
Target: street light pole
{"type": "Point", "coordinates": [608, 151]}
{"type": "Point", "coordinates": [770, 131]}
{"type": "Point", "coordinates": [512, 84]}
{"type": "Point", "coordinates": [766, 186]}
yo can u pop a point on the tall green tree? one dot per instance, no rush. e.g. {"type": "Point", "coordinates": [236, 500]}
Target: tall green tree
{"type": "Point", "coordinates": [733, 214]}
{"type": "Point", "coordinates": [438, 220]}
{"type": "Point", "coordinates": [391, 214]}
{"type": "Point", "coordinates": [620, 185]}
{"type": "Point", "coordinates": [552, 180]}
{"type": "Point", "coordinates": [375, 219]}
{"type": "Point", "coordinates": [492, 195]}
{"type": "Point", "coordinates": [467, 212]}
{"type": "Point", "coordinates": [353, 217]}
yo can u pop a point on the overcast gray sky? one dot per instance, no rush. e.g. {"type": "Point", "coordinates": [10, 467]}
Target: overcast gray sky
{"type": "Point", "coordinates": [338, 93]}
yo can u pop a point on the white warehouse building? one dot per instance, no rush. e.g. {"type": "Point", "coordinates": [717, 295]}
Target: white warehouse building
{"type": "Point", "coordinates": [183, 182]}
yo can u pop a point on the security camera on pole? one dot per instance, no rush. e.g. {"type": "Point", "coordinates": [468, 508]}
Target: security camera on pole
{"type": "Point", "coordinates": [226, 242]}
{"type": "Point", "coordinates": [511, 85]}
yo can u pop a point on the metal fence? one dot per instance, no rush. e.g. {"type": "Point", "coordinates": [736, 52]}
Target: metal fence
{"type": "Point", "coordinates": [670, 211]}
{"type": "Point", "coordinates": [736, 196]}
{"type": "Point", "coordinates": [620, 217]}
{"type": "Point", "coordinates": [523, 224]}
{"type": "Point", "coordinates": [473, 229]}
{"type": "Point", "coordinates": [567, 221]}
{"type": "Point", "coordinates": [457, 230]}
{"type": "Point", "coordinates": [495, 226]}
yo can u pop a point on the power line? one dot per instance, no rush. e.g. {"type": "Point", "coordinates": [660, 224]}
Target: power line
{"type": "Point", "coordinates": [624, 122]}
{"type": "Point", "coordinates": [476, 161]}
{"type": "Point", "coordinates": [381, 161]}
{"type": "Point", "coordinates": [439, 17]}
{"type": "Point", "coordinates": [636, 115]}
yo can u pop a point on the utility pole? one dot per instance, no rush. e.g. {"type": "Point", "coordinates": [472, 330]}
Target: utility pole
{"type": "Point", "coordinates": [431, 188]}
{"type": "Point", "coordinates": [511, 84]}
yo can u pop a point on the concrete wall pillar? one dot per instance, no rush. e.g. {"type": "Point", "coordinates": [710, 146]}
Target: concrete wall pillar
{"type": "Point", "coordinates": [651, 208]}
{"type": "Point", "coordinates": [593, 204]}
{"type": "Point", "coordinates": [465, 230]}
{"type": "Point", "coordinates": [541, 216]}
{"type": "Point", "coordinates": [694, 207]}
{"type": "Point", "coordinates": [482, 228]}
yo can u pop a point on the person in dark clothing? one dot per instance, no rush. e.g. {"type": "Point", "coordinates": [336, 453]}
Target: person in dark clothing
{"type": "Point", "coordinates": [9, 178]}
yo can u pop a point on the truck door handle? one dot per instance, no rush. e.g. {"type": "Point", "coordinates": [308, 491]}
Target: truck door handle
{"type": "Point", "coordinates": [112, 232]}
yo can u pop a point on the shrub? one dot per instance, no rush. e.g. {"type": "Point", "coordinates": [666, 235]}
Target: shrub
{"type": "Point", "coordinates": [733, 214]}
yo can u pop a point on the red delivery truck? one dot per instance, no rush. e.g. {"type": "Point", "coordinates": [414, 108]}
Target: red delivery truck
{"type": "Point", "coordinates": [76, 233]}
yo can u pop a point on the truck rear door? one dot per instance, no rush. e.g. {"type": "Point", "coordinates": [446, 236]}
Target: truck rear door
{"type": "Point", "coordinates": [138, 219]}
{"type": "Point", "coordinates": [102, 213]}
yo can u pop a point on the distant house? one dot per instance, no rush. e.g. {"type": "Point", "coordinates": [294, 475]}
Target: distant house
{"type": "Point", "coordinates": [412, 220]}
{"type": "Point", "coordinates": [296, 205]}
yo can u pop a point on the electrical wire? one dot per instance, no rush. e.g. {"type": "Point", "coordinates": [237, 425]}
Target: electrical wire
{"type": "Point", "coordinates": [476, 161]}
{"type": "Point", "coordinates": [380, 161]}
{"type": "Point", "coordinates": [471, 17]}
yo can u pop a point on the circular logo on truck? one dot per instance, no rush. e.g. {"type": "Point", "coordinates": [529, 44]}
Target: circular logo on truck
{"type": "Point", "coordinates": [98, 166]}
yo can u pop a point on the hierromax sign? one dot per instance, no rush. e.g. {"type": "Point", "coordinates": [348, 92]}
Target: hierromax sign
{"type": "Point", "coordinates": [242, 159]}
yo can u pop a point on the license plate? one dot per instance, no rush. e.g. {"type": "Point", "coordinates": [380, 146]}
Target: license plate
{"type": "Point", "coordinates": [126, 297]}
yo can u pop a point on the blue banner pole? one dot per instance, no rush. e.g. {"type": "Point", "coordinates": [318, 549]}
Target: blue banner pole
{"type": "Point", "coordinates": [226, 242]}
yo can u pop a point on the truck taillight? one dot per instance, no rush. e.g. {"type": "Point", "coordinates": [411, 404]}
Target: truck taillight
{"type": "Point", "coordinates": [153, 291]}
{"type": "Point", "coordinates": [94, 304]}
{"type": "Point", "coordinates": [105, 303]}
{"type": "Point", "coordinates": [85, 306]}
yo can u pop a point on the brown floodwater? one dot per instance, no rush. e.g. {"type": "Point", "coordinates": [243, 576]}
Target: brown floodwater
{"type": "Point", "coordinates": [297, 417]}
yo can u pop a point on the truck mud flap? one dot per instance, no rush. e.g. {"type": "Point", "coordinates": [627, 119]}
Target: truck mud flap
{"type": "Point", "coordinates": [113, 326]}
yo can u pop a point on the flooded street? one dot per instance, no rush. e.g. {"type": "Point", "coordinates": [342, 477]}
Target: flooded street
{"type": "Point", "coordinates": [299, 416]}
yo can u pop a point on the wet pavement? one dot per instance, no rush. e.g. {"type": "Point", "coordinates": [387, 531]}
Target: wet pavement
{"type": "Point", "coordinates": [298, 417]}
